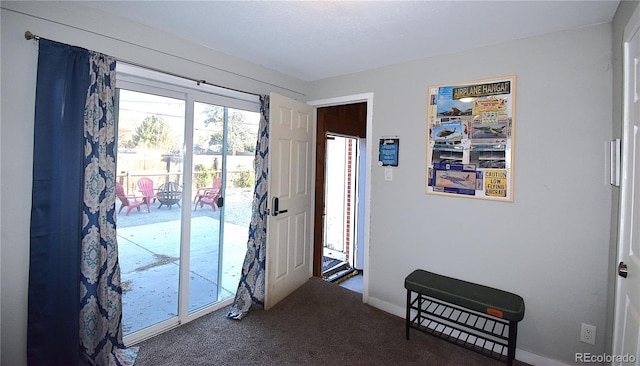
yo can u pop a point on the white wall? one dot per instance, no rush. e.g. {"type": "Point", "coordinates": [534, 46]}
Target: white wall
{"type": "Point", "coordinates": [19, 61]}
{"type": "Point", "coordinates": [551, 245]}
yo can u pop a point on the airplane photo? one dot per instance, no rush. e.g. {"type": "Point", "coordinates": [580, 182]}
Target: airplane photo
{"type": "Point", "coordinates": [456, 179]}
{"type": "Point", "coordinates": [489, 131]}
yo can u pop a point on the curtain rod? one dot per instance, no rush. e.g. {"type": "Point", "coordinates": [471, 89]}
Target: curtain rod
{"type": "Point", "coordinates": [30, 36]}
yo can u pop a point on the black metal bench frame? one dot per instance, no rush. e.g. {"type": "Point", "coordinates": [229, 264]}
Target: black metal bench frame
{"type": "Point", "coordinates": [482, 333]}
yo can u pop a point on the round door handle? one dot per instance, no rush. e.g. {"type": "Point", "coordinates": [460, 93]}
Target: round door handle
{"type": "Point", "coordinates": [622, 270]}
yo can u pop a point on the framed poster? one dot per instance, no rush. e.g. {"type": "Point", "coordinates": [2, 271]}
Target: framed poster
{"type": "Point", "coordinates": [470, 138]}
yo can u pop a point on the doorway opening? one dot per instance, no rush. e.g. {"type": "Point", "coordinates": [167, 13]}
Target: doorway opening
{"type": "Point", "coordinates": [341, 197]}
{"type": "Point", "coordinates": [339, 249]}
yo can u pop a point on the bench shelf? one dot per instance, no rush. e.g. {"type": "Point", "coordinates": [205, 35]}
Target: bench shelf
{"type": "Point", "coordinates": [479, 318]}
{"type": "Point", "coordinates": [478, 332]}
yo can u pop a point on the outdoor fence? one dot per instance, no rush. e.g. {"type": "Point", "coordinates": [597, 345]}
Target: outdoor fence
{"type": "Point", "coordinates": [235, 179]}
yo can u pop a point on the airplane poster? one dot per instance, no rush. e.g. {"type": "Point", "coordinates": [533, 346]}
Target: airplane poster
{"type": "Point", "coordinates": [471, 129]}
{"type": "Point", "coordinates": [494, 131]}
{"type": "Point", "coordinates": [455, 179]}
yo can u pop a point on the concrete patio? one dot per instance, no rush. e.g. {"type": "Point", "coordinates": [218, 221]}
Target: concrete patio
{"type": "Point", "coordinates": [149, 254]}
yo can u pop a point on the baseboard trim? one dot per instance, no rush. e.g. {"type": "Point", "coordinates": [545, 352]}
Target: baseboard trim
{"type": "Point", "coordinates": [534, 359]}
{"type": "Point", "coordinates": [387, 306]}
{"type": "Point", "coordinates": [521, 355]}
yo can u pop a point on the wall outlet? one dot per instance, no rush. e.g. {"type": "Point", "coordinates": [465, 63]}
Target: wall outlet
{"type": "Point", "coordinates": [588, 333]}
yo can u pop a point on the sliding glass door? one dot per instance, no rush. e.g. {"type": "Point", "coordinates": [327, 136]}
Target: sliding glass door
{"type": "Point", "coordinates": [185, 182]}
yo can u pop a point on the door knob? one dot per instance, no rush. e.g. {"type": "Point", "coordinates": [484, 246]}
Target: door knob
{"type": "Point", "coordinates": [622, 270]}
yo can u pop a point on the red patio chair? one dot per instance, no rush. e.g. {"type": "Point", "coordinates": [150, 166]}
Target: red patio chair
{"type": "Point", "coordinates": [130, 201]}
{"type": "Point", "coordinates": [145, 185]}
{"type": "Point", "coordinates": [208, 196]}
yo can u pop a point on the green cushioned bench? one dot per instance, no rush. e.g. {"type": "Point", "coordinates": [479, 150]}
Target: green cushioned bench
{"type": "Point", "coordinates": [477, 317]}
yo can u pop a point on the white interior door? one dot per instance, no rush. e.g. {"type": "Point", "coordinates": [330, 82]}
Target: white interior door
{"type": "Point", "coordinates": [626, 339]}
{"type": "Point", "coordinates": [289, 225]}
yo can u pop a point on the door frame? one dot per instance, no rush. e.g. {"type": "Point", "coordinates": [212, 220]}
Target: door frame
{"type": "Point", "coordinates": [350, 99]}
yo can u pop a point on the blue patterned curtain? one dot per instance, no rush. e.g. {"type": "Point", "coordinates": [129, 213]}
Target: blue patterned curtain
{"type": "Point", "coordinates": [74, 278]}
{"type": "Point", "coordinates": [251, 287]}
{"type": "Point", "coordinates": [100, 290]}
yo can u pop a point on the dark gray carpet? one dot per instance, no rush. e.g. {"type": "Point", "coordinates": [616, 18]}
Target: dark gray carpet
{"type": "Point", "coordinates": [319, 324]}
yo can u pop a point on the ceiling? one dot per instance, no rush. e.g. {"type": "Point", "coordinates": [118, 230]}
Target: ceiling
{"type": "Point", "coordinates": [312, 40]}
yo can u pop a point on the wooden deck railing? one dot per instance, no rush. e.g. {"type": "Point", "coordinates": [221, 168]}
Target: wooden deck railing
{"type": "Point", "coordinates": [129, 180]}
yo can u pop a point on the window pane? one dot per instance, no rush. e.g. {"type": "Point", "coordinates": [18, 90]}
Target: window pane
{"type": "Point", "coordinates": [205, 253]}
{"type": "Point", "coordinates": [242, 137]}
{"type": "Point", "coordinates": [222, 169]}
{"type": "Point", "coordinates": [149, 170]}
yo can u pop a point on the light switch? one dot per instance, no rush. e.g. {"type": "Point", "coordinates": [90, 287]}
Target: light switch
{"type": "Point", "coordinates": [388, 174]}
